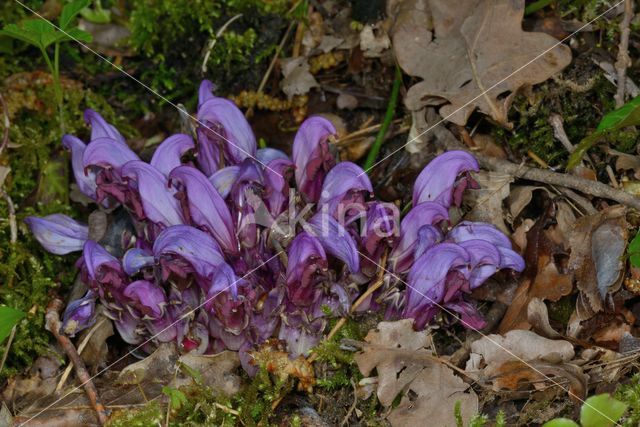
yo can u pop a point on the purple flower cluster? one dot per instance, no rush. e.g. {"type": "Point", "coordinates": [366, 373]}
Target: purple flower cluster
{"type": "Point", "coordinates": [224, 254]}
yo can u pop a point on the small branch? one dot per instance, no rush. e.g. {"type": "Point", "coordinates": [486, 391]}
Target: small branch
{"type": "Point", "coordinates": [8, 346]}
{"type": "Point", "coordinates": [53, 325]}
{"type": "Point", "coordinates": [623, 61]}
{"type": "Point", "coordinates": [13, 224]}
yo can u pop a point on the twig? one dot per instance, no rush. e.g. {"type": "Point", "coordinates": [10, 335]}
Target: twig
{"type": "Point", "coordinates": [214, 40]}
{"type": "Point", "coordinates": [345, 420]}
{"type": "Point", "coordinates": [388, 117]}
{"type": "Point", "coordinates": [53, 325]}
{"type": "Point", "coordinates": [556, 122]}
{"type": "Point", "coordinates": [81, 347]}
{"type": "Point", "coordinates": [6, 124]}
{"type": "Point", "coordinates": [623, 60]}
{"type": "Point", "coordinates": [8, 346]}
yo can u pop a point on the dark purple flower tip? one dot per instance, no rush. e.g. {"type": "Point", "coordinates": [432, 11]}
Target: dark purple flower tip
{"type": "Point", "coordinates": [205, 92]}
{"type": "Point", "coordinates": [158, 201]}
{"type": "Point", "coordinates": [168, 155]}
{"type": "Point", "coordinates": [79, 314]}
{"type": "Point", "coordinates": [381, 226]}
{"type": "Point", "coordinates": [347, 184]}
{"type": "Point", "coordinates": [107, 153]}
{"type": "Point", "coordinates": [196, 247]}
{"type": "Point", "coordinates": [335, 239]}
{"type": "Point", "coordinates": [100, 265]}
{"type": "Point", "coordinates": [223, 125]}
{"type": "Point", "coordinates": [230, 301]}
{"type": "Point", "coordinates": [428, 276]}
{"type": "Point", "coordinates": [135, 259]}
{"type": "Point", "coordinates": [438, 180]}
{"type": "Point", "coordinates": [147, 298]}
{"type": "Point", "coordinates": [427, 213]}
{"type": "Point", "coordinates": [58, 233]}
{"type": "Point", "coordinates": [276, 184]}
{"type": "Point", "coordinates": [86, 182]}
{"type": "Point", "coordinates": [223, 180]}
{"type": "Point", "coordinates": [100, 128]}
{"type": "Point", "coordinates": [306, 265]}
{"type": "Point", "coordinates": [311, 156]}
{"type": "Point", "coordinates": [206, 207]}
{"type": "Point", "coordinates": [470, 317]}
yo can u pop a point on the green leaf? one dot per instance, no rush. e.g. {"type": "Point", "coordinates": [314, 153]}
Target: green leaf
{"type": "Point", "coordinates": [9, 317]}
{"type": "Point", "coordinates": [75, 34]}
{"type": "Point", "coordinates": [22, 34]}
{"type": "Point", "coordinates": [70, 11]}
{"type": "Point", "coordinates": [634, 251]}
{"type": "Point", "coordinates": [635, 260]}
{"type": "Point", "coordinates": [627, 115]}
{"type": "Point", "coordinates": [601, 411]}
{"type": "Point", "coordinates": [581, 149]}
{"type": "Point", "coordinates": [193, 373]}
{"type": "Point", "coordinates": [560, 422]}
{"type": "Point", "coordinates": [177, 397]}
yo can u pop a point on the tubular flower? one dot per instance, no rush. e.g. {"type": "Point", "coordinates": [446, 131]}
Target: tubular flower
{"type": "Point", "coordinates": [220, 252]}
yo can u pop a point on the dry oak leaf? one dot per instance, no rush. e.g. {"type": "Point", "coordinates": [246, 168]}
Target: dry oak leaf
{"type": "Point", "coordinates": [463, 48]}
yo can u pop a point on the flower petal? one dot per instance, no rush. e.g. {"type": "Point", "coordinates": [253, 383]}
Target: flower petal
{"type": "Point", "coordinates": [158, 201]}
{"type": "Point", "coordinates": [223, 179]}
{"type": "Point", "coordinates": [427, 213]}
{"type": "Point", "coordinates": [206, 207]}
{"type": "Point", "coordinates": [146, 297]}
{"type": "Point", "coordinates": [467, 230]}
{"type": "Point", "coordinates": [437, 180]}
{"type": "Point", "coordinates": [58, 233]}
{"type": "Point", "coordinates": [79, 314]}
{"type": "Point", "coordinates": [107, 153]}
{"type": "Point", "coordinates": [168, 154]}
{"type": "Point", "coordinates": [343, 179]}
{"type": "Point", "coordinates": [135, 259]}
{"type": "Point", "coordinates": [334, 239]}
{"type": "Point", "coordinates": [86, 182]}
{"type": "Point", "coordinates": [311, 156]}
{"type": "Point", "coordinates": [100, 128]}
{"type": "Point", "coordinates": [306, 262]}
{"type": "Point", "coordinates": [267, 154]}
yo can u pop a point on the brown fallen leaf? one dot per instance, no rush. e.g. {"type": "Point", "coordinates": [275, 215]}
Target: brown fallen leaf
{"type": "Point", "coordinates": [538, 317]}
{"type": "Point", "coordinates": [486, 201]}
{"type": "Point", "coordinates": [542, 277]}
{"type": "Point", "coordinates": [297, 80]}
{"type": "Point", "coordinates": [275, 359]}
{"type": "Point", "coordinates": [462, 48]}
{"type": "Point", "coordinates": [598, 244]}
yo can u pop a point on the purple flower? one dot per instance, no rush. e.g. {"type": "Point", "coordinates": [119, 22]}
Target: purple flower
{"type": "Point", "coordinates": [276, 185]}
{"type": "Point", "coordinates": [158, 201]}
{"type": "Point", "coordinates": [205, 206]}
{"type": "Point", "coordinates": [107, 153]}
{"type": "Point", "coordinates": [231, 301]}
{"type": "Point", "coordinates": [439, 181]}
{"type": "Point", "coordinates": [334, 239]}
{"type": "Point", "coordinates": [129, 328]}
{"type": "Point", "coordinates": [307, 265]}
{"type": "Point", "coordinates": [100, 128]}
{"type": "Point", "coordinates": [223, 179]}
{"type": "Point", "coordinates": [427, 281]}
{"type": "Point", "coordinates": [86, 181]}
{"type": "Point", "coordinates": [311, 156]}
{"type": "Point", "coordinates": [266, 155]}
{"type": "Point", "coordinates": [344, 189]}
{"type": "Point", "coordinates": [198, 251]}
{"type": "Point", "coordinates": [102, 269]}
{"type": "Point", "coordinates": [380, 230]}
{"type": "Point", "coordinates": [168, 154]}
{"type": "Point", "coordinates": [58, 233]}
{"type": "Point", "coordinates": [427, 213]}
{"type": "Point", "coordinates": [226, 134]}
{"type": "Point", "coordinates": [135, 259]}
{"type": "Point", "coordinates": [148, 299]}
{"type": "Point", "coordinates": [79, 314]}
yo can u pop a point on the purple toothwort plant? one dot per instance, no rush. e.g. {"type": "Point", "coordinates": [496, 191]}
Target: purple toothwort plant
{"type": "Point", "coordinates": [224, 254]}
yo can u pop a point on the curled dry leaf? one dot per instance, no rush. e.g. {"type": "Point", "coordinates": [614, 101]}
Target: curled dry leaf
{"type": "Point", "coordinates": [373, 41]}
{"type": "Point", "coordinates": [538, 317]}
{"type": "Point", "coordinates": [403, 360]}
{"type": "Point", "coordinates": [598, 244]}
{"type": "Point", "coordinates": [298, 80]}
{"type": "Point", "coordinates": [218, 371]}
{"type": "Point", "coordinates": [486, 201]}
{"type": "Point", "coordinates": [462, 48]}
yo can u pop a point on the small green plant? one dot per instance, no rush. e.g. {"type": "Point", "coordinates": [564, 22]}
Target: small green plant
{"type": "Point", "coordinates": [9, 317]}
{"type": "Point", "coordinates": [625, 116]}
{"type": "Point", "coordinates": [42, 34]}
{"type": "Point", "coordinates": [597, 411]}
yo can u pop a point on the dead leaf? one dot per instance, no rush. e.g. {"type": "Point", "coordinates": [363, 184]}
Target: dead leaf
{"type": "Point", "coordinates": [217, 371]}
{"type": "Point", "coordinates": [462, 48]}
{"type": "Point", "coordinates": [159, 366]}
{"type": "Point", "coordinates": [297, 80]}
{"type": "Point", "coordinates": [387, 353]}
{"type": "Point", "coordinates": [598, 243]}
{"type": "Point", "coordinates": [486, 201]}
{"type": "Point", "coordinates": [373, 41]}
{"type": "Point", "coordinates": [431, 396]}
{"type": "Point", "coordinates": [538, 317]}
{"type": "Point", "coordinates": [275, 360]}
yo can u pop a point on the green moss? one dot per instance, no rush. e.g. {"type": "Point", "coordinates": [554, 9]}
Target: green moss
{"type": "Point", "coordinates": [147, 416]}
{"type": "Point", "coordinates": [630, 394]}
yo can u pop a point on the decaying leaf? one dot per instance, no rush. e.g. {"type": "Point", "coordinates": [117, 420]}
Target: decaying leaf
{"type": "Point", "coordinates": [276, 361]}
{"type": "Point", "coordinates": [598, 243]}
{"type": "Point", "coordinates": [158, 366]}
{"type": "Point", "coordinates": [403, 361]}
{"type": "Point", "coordinates": [373, 41]}
{"type": "Point", "coordinates": [463, 48]}
{"type": "Point", "coordinates": [486, 201]}
{"type": "Point", "coordinates": [431, 396]}
{"type": "Point", "coordinates": [298, 80]}
{"type": "Point", "coordinates": [538, 317]}
{"type": "Point", "coordinates": [543, 278]}
{"type": "Point", "coordinates": [216, 371]}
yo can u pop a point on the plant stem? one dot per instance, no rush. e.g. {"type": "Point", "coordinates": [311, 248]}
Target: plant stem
{"type": "Point", "coordinates": [54, 69]}
{"type": "Point", "coordinates": [388, 117]}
